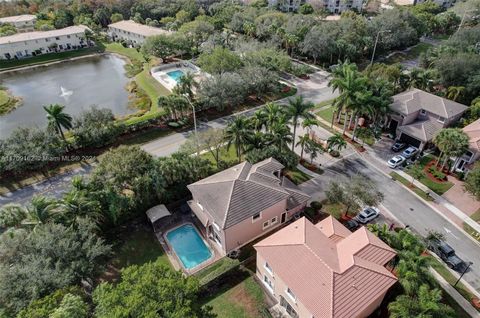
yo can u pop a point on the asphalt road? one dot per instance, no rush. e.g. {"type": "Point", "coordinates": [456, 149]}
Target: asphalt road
{"type": "Point", "coordinates": [406, 207]}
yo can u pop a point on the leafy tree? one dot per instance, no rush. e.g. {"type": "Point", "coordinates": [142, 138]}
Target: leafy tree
{"type": "Point", "coordinates": [237, 133]}
{"type": "Point", "coordinates": [198, 30]}
{"type": "Point", "coordinates": [33, 265]}
{"type": "Point", "coordinates": [7, 29]}
{"type": "Point", "coordinates": [211, 140]}
{"type": "Point", "coordinates": [416, 172]}
{"type": "Point", "coordinates": [306, 8]}
{"type": "Point", "coordinates": [161, 46]}
{"type": "Point", "coordinates": [222, 90]}
{"type": "Point", "coordinates": [150, 290]}
{"type": "Point", "coordinates": [174, 104]}
{"type": "Point", "coordinates": [72, 306]}
{"type": "Point", "coordinates": [220, 60]}
{"type": "Point", "coordinates": [357, 191]}
{"type": "Point", "coordinates": [259, 80]}
{"type": "Point", "coordinates": [269, 58]}
{"type": "Point", "coordinates": [472, 182]}
{"type": "Point", "coordinates": [62, 19]}
{"type": "Point", "coordinates": [58, 119]}
{"type": "Point", "coordinates": [298, 109]}
{"type": "Point", "coordinates": [116, 17]}
{"type": "Point", "coordinates": [287, 158]}
{"type": "Point", "coordinates": [44, 307]}
{"type": "Point", "coordinates": [185, 85]}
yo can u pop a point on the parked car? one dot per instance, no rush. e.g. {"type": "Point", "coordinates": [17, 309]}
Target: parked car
{"type": "Point", "coordinates": [369, 213]}
{"type": "Point", "coordinates": [409, 152]}
{"type": "Point", "coordinates": [352, 225]}
{"type": "Point", "coordinates": [446, 253]}
{"type": "Point", "coordinates": [395, 161]}
{"type": "Point", "coordinates": [398, 145]}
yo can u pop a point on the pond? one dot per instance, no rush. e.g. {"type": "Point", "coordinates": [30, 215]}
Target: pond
{"type": "Point", "coordinates": [98, 80]}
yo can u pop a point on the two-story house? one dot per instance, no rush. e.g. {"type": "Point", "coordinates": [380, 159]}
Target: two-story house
{"type": "Point", "coordinates": [417, 116]}
{"type": "Point", "coordinates": [465, 162]}
{"type": "Point", "coordinates": [132, 32]}
{"type": "Point", "coordinates": [23, 23]}
{"type": "Point", "coordinates": [244, 202]}
{"type": "Point", "coordinates": [324, 270]}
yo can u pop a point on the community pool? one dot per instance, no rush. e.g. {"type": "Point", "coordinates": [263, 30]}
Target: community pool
{"type": "Point", "coordinates": [189, 246]}
{"type": "Point", "coordinates": [175, 75]}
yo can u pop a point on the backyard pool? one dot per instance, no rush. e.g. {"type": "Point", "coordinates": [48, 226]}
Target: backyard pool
{"type": "Point", "coordinates": [188, 245]}
{"type": "Point", "coordinates": [175, 75]}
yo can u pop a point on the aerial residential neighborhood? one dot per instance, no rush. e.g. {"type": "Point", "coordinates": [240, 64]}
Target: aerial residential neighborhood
{"type": "Point", "coordinates": [239, 159]}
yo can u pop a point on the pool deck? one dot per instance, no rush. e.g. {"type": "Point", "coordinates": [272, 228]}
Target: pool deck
{"type": "Point", "coordinates": [160, 73]}
{"type": "Point", "coordinates": [176, 222]}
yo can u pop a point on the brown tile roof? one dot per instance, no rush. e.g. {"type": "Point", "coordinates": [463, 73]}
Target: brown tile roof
{"type": "Point", "coordinates": [244, 190]}
{"type": "Point", "coordinates": [413, 100]}
{"type": "Point", "coordinates": [423, 130]}
{"type": "Point", "coordinates": [137, 28]}
{"type": "Point", "coordinates": [473, 132]}
{"type": "Point", "coordinates": [336, 279]}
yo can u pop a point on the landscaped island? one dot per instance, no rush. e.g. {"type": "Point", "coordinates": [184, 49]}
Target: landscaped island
{"type": "Point", "coordinates": [8, 102]}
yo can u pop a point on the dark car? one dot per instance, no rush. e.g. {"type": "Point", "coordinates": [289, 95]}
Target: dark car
{"type": "Point", "coordinates": [398, 145]}
{"type": "Point", "coordinates": [352, 225]}
{"type": "Point", "coordinates": [446, 253]}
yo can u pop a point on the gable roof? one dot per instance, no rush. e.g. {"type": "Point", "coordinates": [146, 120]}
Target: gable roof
{"type": "Point", "coordinates": [244, 190]}
{"type": "Point", "coordinates": [424, 130]}
{"type": "Point", "coordinates": [137, 28]}
{"type": "Point", "coordinates": [18, 18]}
{"type": "Point", "coordinates": [330, 278]}
{"type": "Point", "coordinates": [413, 100]}
{"type": "Point", "coordinates": [38, 35]}
{"type": "Point", "coordinates": [473, 132]}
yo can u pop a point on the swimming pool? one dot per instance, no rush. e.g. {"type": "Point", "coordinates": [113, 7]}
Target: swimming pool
{"type": "Point", "coordinates": [189, 246]}
{"type": "Point", "coordinates": [175, 75]}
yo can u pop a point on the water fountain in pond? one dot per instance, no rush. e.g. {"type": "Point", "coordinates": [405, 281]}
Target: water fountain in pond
{"type": "Point", "coordinates": [65, 93]}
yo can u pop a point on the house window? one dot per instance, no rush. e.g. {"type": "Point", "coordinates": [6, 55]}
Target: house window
{"type": "Point", "coordinates": [423, 112]}
{"type": "Point", "coordinates": [57, 38]}
{"type": "Point", "coordinates": [288, 308]}
{"type": "Point", "coordinates": [268, 268]}
{"type": "Point", "coordinates": [266, 224]}
{"type": "Point", "coordinates": [441, 119]}
{"type": "Point", "coordinates": [256, 217]}
{"type": "Point", "coordinates": [68, 36]}
{"type": "Point", "coordinates": [274, 220]}
{"type": "Point", "coordinates": [291, 294]}
{"type": "Point", "coordinates": [268, 283]}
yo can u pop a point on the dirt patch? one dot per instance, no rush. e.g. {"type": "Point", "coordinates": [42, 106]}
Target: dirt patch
{"type": "Point", "coordinates": [239, 295]}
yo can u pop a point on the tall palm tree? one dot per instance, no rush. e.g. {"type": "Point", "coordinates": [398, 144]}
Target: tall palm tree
{"type": "Point", "coordinates": [258, 119]}
{"type": "Point", "coordinates": [58, 119]}
{"type": "Point", "coordinates": [348, 81]}
{"type": "Point", "coordinates": [421, 79]}
{"type": "Point", "coordinates": [255, 140]}
{"type": "Point", "coordinates": [452, 142]}
{"type": "Point", "coordinates": [308, 123]}
{"type": "Point", "coordinates": [297, 108]}
{"type": "Point", "coordinates": [185, 85]}
{"type": "Point", "coordinates": [361, 107]}
{"type": "Point", "coordinates": [313, 149]}
{"type": "Point", "coordinates": [280, 134]}
{"type": "Point", "coordinates": [237, 133]}
{"type": "Point", "coordinates": [76, 204]}
{"type": "Point", "coordinates": [303, 142]}
{"type": "Point", "coordinates": [336, 142]}
{"type": "Point", "coordinates": [454, 92]}
{"type": "Point", "coordinates": [273, 113]}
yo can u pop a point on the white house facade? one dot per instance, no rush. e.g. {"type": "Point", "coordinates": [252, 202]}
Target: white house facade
{"type": "Point", "coordinates": [334, 6]}
{"type": "Point", "coordinates": [132, 32]}
{"type": "Point", "coordinates": [23, 23]}
{"type": "Point", "coordinates": [24, 45]}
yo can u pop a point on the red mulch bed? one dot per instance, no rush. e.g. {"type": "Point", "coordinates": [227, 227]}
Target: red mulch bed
{"type": "Point", "coordinates": [430, 175]}
{"type": "Point", "coordinates": [476, 302]}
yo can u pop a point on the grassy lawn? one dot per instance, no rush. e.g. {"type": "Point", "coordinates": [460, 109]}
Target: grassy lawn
{"type": "Point", "coordinates": [50, 57]}
{"type": "Point", "coordinates": [4, 97]}
{"type": "Point", "coordinates": [297, 176]}
{"type": "Point", "coordinates": [244, 299]}
{"type": "Point", "coordinates": [7, 102]}
{"type": "Point", "coordinates": [408, 184]}
{"type": "Point", "coordinates": [476, 217]}
{"type": "Point", "coordinates": [334, 209]}
{"type": "Point", "coordinates": [228, 156]}
{"type": "Point", "coordinates": [118, 48]}
{"type": "Point", "coordinates": [221, 266]}
{"type": "Point", "coordinates": [151, 86]}
{"type": "Point", "coordinates": [327, 114]}
{"type": "Point", "coordinates": [436, 186]}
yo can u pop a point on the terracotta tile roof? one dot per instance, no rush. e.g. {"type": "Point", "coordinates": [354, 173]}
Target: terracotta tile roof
{"type": "Point", "coordinates": [38, 35]}
{"type": "Point", "coordinates": [331, 279]}
{"type": "Point", "coordinates": [137, 28]}
{"type": "Point", "coordinates": [473, 132]}
{"type": "Point", "coordinates": [244, 190]}
{"type": "Point", "coordinates": [413, 100]}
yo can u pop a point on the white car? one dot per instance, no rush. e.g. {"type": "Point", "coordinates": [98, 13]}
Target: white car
{"type": "Point", "coordinates": [409, 152]}
{"type": "Point", "coordinates": [395, 161]}
{"type": "Point", "coordinates": [369, 213]}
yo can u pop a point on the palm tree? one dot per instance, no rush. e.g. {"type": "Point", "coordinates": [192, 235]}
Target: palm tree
{"type": "Point", "coordinates": [296, 109]}
{"type": "Point", "coordinates": [454, 92]}
{"type": "Point", "coordinates": [258, 120]}
{"type": "Point", "coordinates": [451, 142]}
{"type": "Point", "coordinates": [273, 113]}
{"type": "Point", "coordinates": [185, 85]}
{"type": "Point", "coordinates": [381, 231]}
{"type": "Point", "coordinates": [303, 142]}
{"type": "Point", "coordinates": [237, 133]}
{"type": "Point", "coordinates": [57, 119]}
{"type": "Point", "coordinates": [40, 211]}
{"type": "Point", "coordinates": [308, 123]}
{"type": "Point", "coordinates": [361, 107]}
{"type": "Point", "coordinates": [348, 80]}
{"type": "Point", "coordinates": [280, 134]}
{"type": "Point", "coordinates": [255, 140]}
{"type": "Point", "coordinates": [76, 204]}
{"type": "Point", "coordinates": [421, 79]}
{"type": "Point", "coordinates": [313, 149]}
{"type": "Point", "coordinates": [336, 141]}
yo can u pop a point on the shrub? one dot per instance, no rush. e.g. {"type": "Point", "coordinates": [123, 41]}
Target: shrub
{"type": "Point", "coordinates": [335, 153]}
{"type": "Point", "coordinates": [316, 205]}
{"type": "Point", "coordinates": [287, 158]}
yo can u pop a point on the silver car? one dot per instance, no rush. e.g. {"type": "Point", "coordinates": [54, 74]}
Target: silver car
{"type": "Point", "coordinates": [409, 152]}
{"type": "Point", "coordinates": [369, 213]}
{"type": "Point", "coordinates": [395, 161]}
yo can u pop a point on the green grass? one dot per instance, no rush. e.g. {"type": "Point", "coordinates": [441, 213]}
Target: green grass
{"type": "Point", "coordinates": [297, 176]}
{"type": "Point", "coordinates": [7, 102]}
{"type": "Point", "coordinates": [408, 184]}
{"type": "Point", "coordinates": [4, 97]}
{"type": "Point", "coordinates": [243, 300]}
{"type": "Point", "coordinates": [436, 186]}
{"type": "Point", "coordinates": [137, 248]}
{"type": "Point", "coordinates": [216, 269]}
{"type": "Point", "coordinates": [50, 57]}
{"type": "Point", "coordinates": [412, 54]}
{"type": "Point", "coordinates": [470, 230]}
{"type": "Point", "coordinates": [228, 156]}
{"type": "Point", "coordinates": [334, 209]}
{"type": "Point", "coordinates": [327, 114]}
{"type": "Point", "coordinates": [151, 87]}
{"type": "Point", "coordinates": [324, 103]}
{"type": "Point", "coordinates": [131, 53]}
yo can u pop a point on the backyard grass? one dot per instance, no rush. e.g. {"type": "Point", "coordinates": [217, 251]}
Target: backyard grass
{"type": "Point", "coordinates": [439, 187]}
{"type": "Point", "coordinates": [334, 209]}
{"type": "Point", "coordinates": [151, 86]}
{"type": "Point", "coordinates": [408, 184]}
{"type": "Point", "coordinates": [216, 269]}
{"type": "Point", "coordinates": [297, 176]}
{"type": "Point", "coordinates": [50, 57]}
{"type": "Point", "coordinates": [245, 299]}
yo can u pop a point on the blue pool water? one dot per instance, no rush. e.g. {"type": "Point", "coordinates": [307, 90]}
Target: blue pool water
{"type": "Point", "coordinates": [175, 75]}
{"type": "Point", "coordinates": [189, 246]}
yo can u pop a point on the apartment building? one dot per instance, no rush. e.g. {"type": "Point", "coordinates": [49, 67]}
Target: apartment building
{"type": "Point", "coordinates": [334, 6]}
{"type": "Point", "coordinates": [23, 23]}
{"type": "Point", "coordinates": [132, 32]}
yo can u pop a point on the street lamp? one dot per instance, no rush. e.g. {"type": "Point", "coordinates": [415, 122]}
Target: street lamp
{"type": "Point", "coordinates": [376, 42]}
{"type": "Point", "coordinates": [463, 273]}
{"type": "Point", "coordinates": [194, 122]}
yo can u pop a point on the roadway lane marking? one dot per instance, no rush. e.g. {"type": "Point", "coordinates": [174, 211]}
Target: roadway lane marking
{"type": "Point", "coordinates": [450, 232]}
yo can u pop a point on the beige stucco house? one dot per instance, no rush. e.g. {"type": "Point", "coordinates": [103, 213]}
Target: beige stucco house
{"type": "Point", "coordinates": [23, 23]}
{"type": "Point", "coordinates": [132, 32]}
{"type": "Point", "coordinates": [465, 162]}
{"type": "Point", "coordinates": [324, 270]}
{"type": "Point", "coordinates": [245, 202]}
{"type": "Point", "coordinates": [417, 116]}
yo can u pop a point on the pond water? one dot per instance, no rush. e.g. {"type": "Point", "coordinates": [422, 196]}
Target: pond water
{"type": "Point", "coordinates": [79, 84]}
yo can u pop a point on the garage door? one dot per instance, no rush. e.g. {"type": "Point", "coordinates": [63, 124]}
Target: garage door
{"type": "Point", "coordinates": [410, 140]}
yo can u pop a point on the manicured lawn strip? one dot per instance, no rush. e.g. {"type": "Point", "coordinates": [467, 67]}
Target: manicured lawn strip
{"type": "Point", "coordinates": [151, 86]}
{"type": "Point", "coordinates": [470, 230]}
{"type": "Point", "coordinates": [137, 248]}
{"type": "Point", "coordinates": [327, 114]}
{"type": "Point", "coordinates": [297, 176]}
{"type": "Point", "coordinates": [407, 183]}
{"type": "Point", "coordinates": [131, 53]}
{"type": "Point", "coordinates": [216, 269]}
{"type": "Point", "coordinates": [437, 187]}
{"type": "Point", "coordinates": [227, 155]}
{"type": "Point", "coordinates": [49, 57]}
{"type": "Point", "coordinates": [451, 279]}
